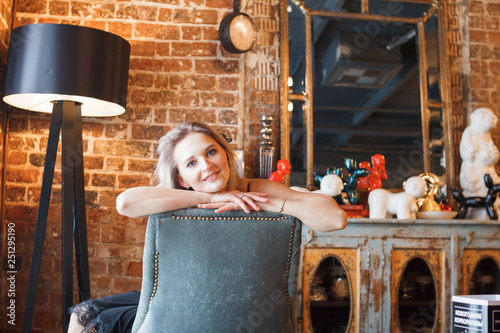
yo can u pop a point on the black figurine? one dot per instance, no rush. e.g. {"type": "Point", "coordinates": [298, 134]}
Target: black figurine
{"type": "Point", "coordinates": [487, 202]}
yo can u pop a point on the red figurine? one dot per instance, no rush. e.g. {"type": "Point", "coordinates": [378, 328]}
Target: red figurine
{"type": "Point", "coordinates": [378, 171]}
{"type": "Point", "coordinates": [283, 169]}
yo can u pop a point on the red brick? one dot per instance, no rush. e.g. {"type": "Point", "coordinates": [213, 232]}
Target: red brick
{"type": "Point", "coordinates": [18, 125]}
{"type": "Point", "coordinates": [493, 9]}
{"type": "Point", "coordinates": [104, 11]}
{"type": "Point", "coordinates": [102, 284]}
{"type": "Point", "coordinates": [121, 29]}
{"type": "Point", "coordinates": [146, 64]}
{"type": "Point", "coordinates": [494, 37]}
{"type": "Point", "coordinates": [191, 33]}
{"type": "Point", "coordinates": [93, 162]}
{"type": "Point", "coordinates": [165, 32]}
{"type": "Point", "coordinates": [93, 234]}
{"type": "Point", "coordinates": [20, 212]}
{"type": "Point", "coordinates": [95, 24]}
{"type": "Point", "coordinates": [229, 84]}
{"type": "Point", "coordinates": [211, 33]}
{"type": "Point", "coordinates": [478, 36]}
{"type": "Point", "coordinates": [134, 268]}
{"type": "Point", "coordinates": [122, 148]}
{"type": "Point", "coordinates": [108, 198]}
{"type": "Point", "coordinates": [187, 115]}
{"type": "Point", "coordinates": [217, 66]}
{"type": "Point", "coordinates": [59, 8]}
{"type": "Point", "coordinates": [141, 80]}
{"type": "Point", "coordinates": [196, 82]}
{"type": "Point", "coordinates": [160, 116]}
{"type": "Point", "coordinates": [219, 3]}
{"type": "Point", "coordinates": [123, 285]}
{"type": "Point", "coordinates": [128, 181]}
{"type": "Point", "coordinates": [92, 128]}
{"type": "Point", "coordinates": [142, 48]}
{"type": "Point", "coordinates": [106, 180]}
{"type": "Point", "coordinates": [139, 13]}
{"type": "Point", "coordinates": [163, 49]}
{"type": "Point", "coordinates": [17, 157]}
{"type": "Point", "coordinates": [165, 15]}
{"type": "Point", "coordinates": [218, 99]}
{"type": "Point", "coordinates": [37, 160]}
{"type": "Point", "coordinates": [228, 117]}
{"type": "Point", "coordinates": [140, 115]}
{"type": "Point", "coordinates": [31, 6]}
{"type": "Point", "coordinates": [15, 193]}
{"type": "Point", "coordinates": [196, 16]}
{"type": "Point", "coordinates": [141, 165]}
{"type": "Point", "coordinates": [177, 65]}
{"type": "Point", "coordinates": [162, 81]}
{"type": "Point", "coordinates": [195, 49]}
{"type": "Point", "coordinates": [80, 9]}
{"type": "Point", "coordinates": [115, 268]}
{"type": "Point", "coordinates": [21, 143]}
{"type": "Point", "coordinates": [22, 176]}
{"type": "Point", "coordinates": [115, 164]}
{"type": "Point", "coordinates": [116, 131]}
{"type": "Point", "coordinates": [112, 234]}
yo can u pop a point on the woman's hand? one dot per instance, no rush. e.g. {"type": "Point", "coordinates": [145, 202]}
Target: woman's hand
{"type": "Point", "coordinates": [235, 200]}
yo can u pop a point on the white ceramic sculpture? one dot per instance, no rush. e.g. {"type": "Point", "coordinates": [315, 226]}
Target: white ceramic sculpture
{"type": "Point", "coordinates": [479, 156]}
{"type": "Point", "coordinates": [385, 204]}
{"type": "Point", "coordinates": [330, 184]}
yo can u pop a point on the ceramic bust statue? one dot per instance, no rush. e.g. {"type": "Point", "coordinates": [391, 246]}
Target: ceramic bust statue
{"type": "Point", "coordinates": [479, 156]}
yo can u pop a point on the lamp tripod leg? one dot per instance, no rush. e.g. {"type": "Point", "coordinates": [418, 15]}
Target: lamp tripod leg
{"type": "Point", "coordinates": [80, 232]}
{"type": "Point", "coordinates": [43, 209]}
{"type": "Point", "coordinates": [74, 220]}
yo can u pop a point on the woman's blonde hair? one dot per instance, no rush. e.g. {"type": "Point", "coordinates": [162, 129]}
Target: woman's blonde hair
{"type": "Point", "coordinates": [166, 168]}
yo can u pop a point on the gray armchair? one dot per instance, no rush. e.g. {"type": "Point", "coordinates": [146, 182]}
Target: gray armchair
{"type": "Point", "coordinates": [227, 272]}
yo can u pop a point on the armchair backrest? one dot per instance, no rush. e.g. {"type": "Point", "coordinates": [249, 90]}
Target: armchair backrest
{"type": "Point", "coordinates": [227, 272]}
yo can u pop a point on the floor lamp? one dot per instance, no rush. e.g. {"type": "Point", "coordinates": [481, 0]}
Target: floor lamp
{"type": "Point", "coordinates": [69, 71]}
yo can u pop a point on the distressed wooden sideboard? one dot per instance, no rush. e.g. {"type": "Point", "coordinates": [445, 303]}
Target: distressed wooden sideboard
{"type": "Point", "coordinates": [401, 274]}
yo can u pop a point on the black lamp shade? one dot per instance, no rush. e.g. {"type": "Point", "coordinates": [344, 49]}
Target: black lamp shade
{"type": "Point", "coordinates": [49, 62]}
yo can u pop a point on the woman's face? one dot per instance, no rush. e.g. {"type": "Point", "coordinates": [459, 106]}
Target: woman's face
{"type": "Point", "coordinates": [202, 163]}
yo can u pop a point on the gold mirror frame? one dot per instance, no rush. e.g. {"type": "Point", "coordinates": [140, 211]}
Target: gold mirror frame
{"type": "Point", "coordinates": [307, 98]}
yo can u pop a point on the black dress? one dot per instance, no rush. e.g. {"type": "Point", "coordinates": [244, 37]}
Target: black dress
{"type": "Point", "coordinates": [110, 314]}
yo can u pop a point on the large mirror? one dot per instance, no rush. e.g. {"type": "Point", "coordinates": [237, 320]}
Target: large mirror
{"type": "Point", "coordinates": [365, 77]}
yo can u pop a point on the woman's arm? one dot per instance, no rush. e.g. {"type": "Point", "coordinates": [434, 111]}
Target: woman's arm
{"type": "Point", "coordinates": [147, 200]}
{"type": "Point", "coordinates": [317, 211]}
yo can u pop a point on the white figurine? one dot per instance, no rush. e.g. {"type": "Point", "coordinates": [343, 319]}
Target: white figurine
{"type": "Point", "coordinates": [330, 184]}
{"type": "Point", "coordinates": [383, 203]}
{"type": "Point", "coordinates": [479, 156]}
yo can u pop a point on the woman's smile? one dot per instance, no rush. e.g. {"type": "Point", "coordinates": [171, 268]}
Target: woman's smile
{"type": "Point", "coordinates": [212, 176]}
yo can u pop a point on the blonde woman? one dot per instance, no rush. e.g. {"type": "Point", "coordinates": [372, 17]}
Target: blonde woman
{"type": "Point", "coordinates": [197, 168]}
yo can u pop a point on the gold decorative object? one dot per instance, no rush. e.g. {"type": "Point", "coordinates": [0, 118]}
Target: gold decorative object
{"type": "Point", "coordinates": [427, 203]}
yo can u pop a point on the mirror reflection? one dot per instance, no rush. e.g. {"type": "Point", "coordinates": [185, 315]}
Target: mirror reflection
{"type": "Point", "coordinates": [365, 81]}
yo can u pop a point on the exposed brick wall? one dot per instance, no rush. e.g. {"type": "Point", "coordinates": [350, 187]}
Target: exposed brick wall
{"type": "Point", "coordinates": [473, 49]}
{"type": "Point", "coordinates": [178, 72]}
{"type": "Point", "coordinates": [484, 37]}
